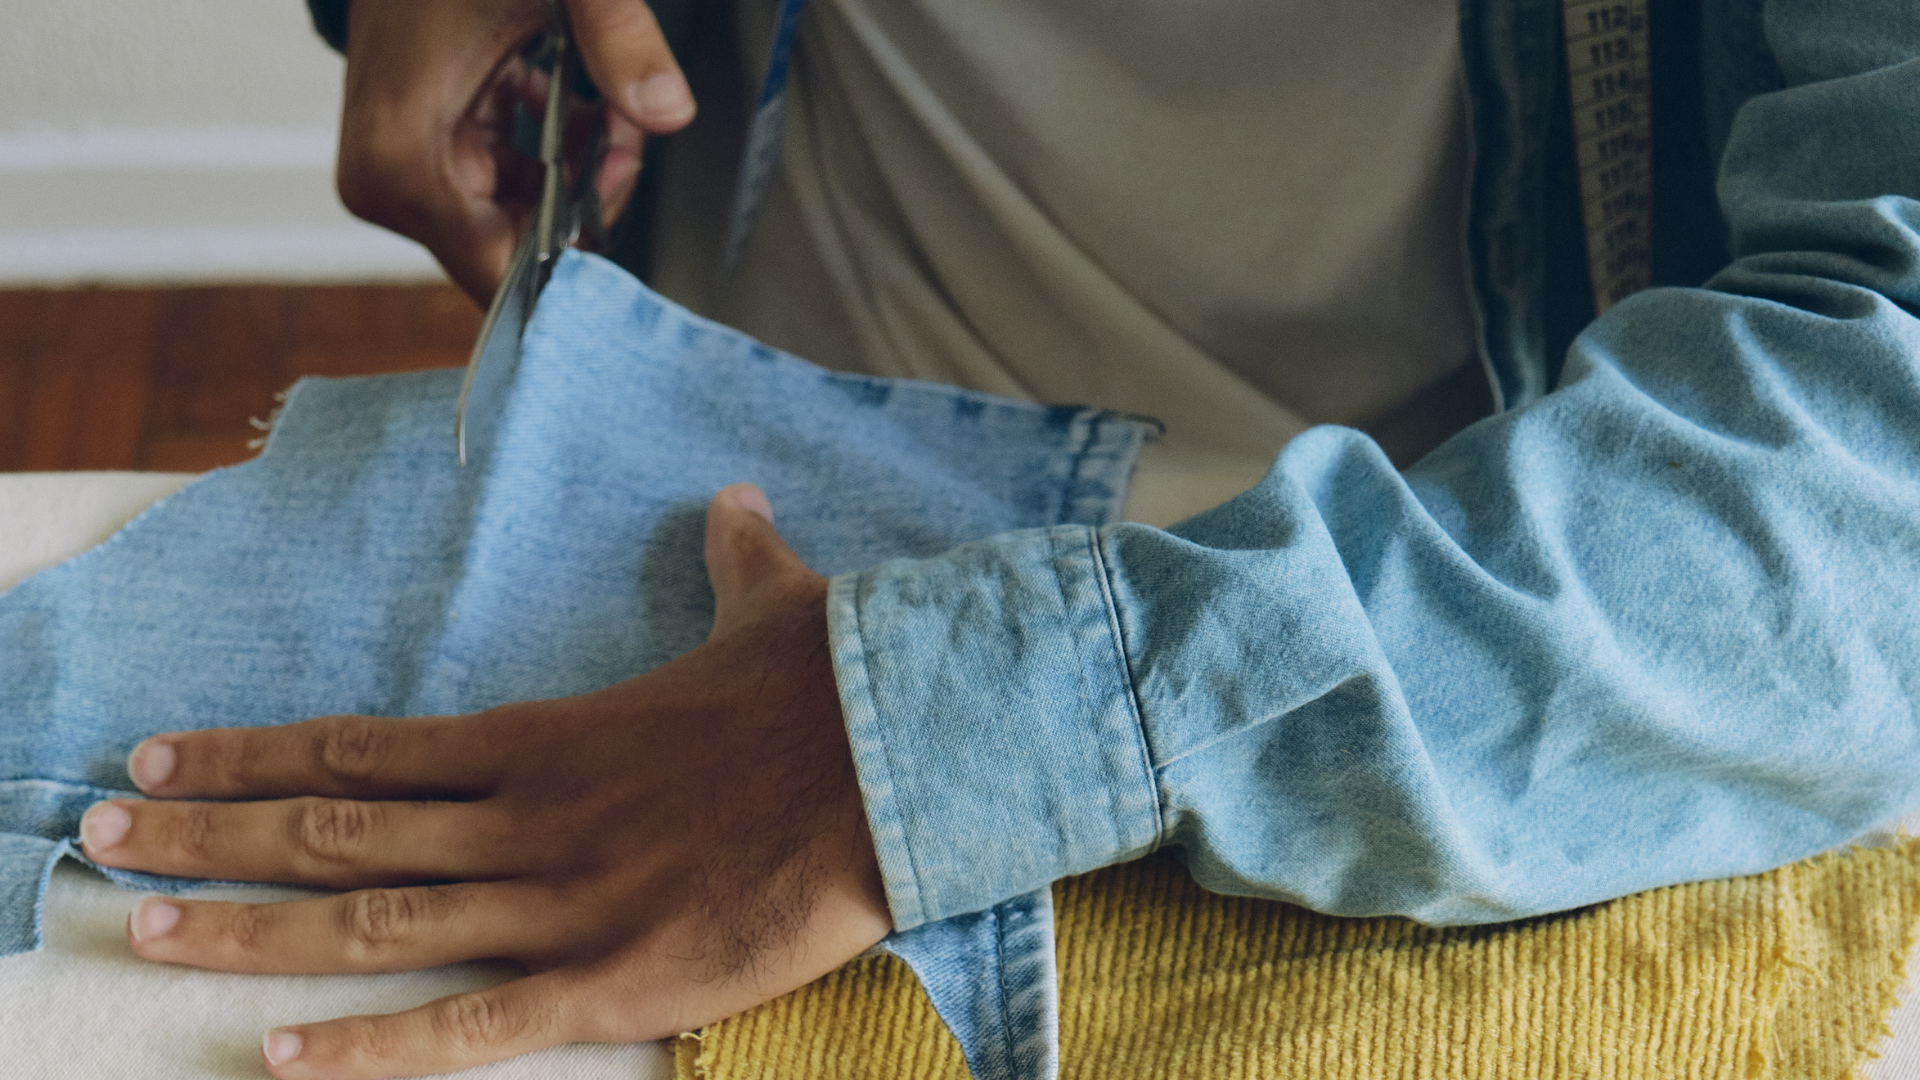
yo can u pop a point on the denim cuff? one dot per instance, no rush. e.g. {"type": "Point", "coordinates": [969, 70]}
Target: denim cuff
{"type": "Point", "coordinates": [992, 719]}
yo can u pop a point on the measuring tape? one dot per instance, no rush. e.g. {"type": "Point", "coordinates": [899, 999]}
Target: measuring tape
{"type": "Point", "coordinates": [1613, 140]}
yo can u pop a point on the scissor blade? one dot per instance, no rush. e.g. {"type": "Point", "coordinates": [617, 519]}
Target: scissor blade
{"type": "Point", "coordinates": [496, 355]}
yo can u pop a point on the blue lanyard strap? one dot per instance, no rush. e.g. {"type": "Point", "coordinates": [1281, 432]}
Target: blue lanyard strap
{"type": "Point", "coordinates": [763, 134]}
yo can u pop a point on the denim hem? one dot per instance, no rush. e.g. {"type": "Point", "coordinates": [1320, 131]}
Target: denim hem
{"type": "Point", "coordinates": [61, 850]}
{"type": "Point", "coordinates": [992, 979]}
{"type": "Point", "coordinates": [1095, 466]}
{"type": "Point", "coordinates": [1030, 986]}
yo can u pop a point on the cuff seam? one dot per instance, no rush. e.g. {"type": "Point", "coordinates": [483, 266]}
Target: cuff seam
{"type": "Point", "coordinates": [847, 646]}
{"type": "Point", "coordinates": [1103, 572]}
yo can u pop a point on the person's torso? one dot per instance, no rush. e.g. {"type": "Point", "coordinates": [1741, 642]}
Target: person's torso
{"type": "Point", "coordinates": [1239, 218]}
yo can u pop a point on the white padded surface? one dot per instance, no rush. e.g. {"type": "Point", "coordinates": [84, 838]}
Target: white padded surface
{"type": "Point", "coordinates": [48, 518]}
{"type": "Point", "coordinates": [86, 1007]}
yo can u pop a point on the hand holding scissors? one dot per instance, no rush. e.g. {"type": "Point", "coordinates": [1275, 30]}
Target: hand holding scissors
{"type": "Point", "coordinates": [568, 204]}
{"type": "Point", "coordinates": [426, 136]}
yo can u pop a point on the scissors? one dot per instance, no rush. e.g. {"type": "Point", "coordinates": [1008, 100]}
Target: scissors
{"type": "Point", "coordinates": [564, 210]}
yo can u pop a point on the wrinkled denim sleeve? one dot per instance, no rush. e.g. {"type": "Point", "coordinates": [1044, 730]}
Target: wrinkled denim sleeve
{"type": "Point", "coordinates": [1662, 625]}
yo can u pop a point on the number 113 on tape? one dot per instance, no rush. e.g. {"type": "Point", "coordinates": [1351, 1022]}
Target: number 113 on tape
{"type": "Point", "coordinates": [1608, 74]}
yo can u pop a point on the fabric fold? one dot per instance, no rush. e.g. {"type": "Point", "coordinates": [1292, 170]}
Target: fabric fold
{"type": "Point", "coordinates": [354, 567]}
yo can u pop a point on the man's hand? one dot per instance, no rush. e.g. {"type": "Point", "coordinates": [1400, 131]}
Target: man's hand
{"type": "Point", "coordinates": [660, 854]}
{"type": "Point", "coordinates": [425, 135]}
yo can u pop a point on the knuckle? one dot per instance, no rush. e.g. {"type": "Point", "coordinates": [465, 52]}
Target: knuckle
{"type": "Point", "coordinates": [366, 1038]}
{"type": "Point", "coordinates": [352, 748]}
{"type": "Point", "coordinates": [375, 170]}
{"type": "Point", "coordinates": [247, 928]}
{"type": "Point", "coordinates": [375, 920]}
{"type": "Point", "coordinates": [357, 178]}
{"type": "Point", "coordinates": [330, 830]}
{"type": "Point", "coordinates": [195, 832]}
{"type": "Point", "coordinates": [472, 1023]}
{"type": "Point", "coordinates": [356, 195]}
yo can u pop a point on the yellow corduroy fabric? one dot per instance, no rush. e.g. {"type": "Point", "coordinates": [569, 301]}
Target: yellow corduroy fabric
{"type": "Point", "coordinates": [1784, 974]}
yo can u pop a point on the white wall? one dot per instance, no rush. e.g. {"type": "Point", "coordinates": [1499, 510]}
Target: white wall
{"type": "Point", "coordinates": [189, 140]}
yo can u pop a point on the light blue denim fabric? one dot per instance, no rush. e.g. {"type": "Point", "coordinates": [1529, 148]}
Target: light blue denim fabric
{"type": "Point", "coordinates": [353, 567]}
{"type": "Point", "coordinates": [1659, 624]}
{"type": "Point", "coordinates": [991, 976]}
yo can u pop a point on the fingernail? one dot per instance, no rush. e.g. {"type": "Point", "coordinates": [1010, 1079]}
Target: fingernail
{"type": "Point", "coordinates": [154, 918]}
{"type": "Point", "coordinates": [662, 99]}
{"type": "Point", "coordinates": [104, 825]}
{"type": "Point", "coordinates": [151, 763]}
{"type": "Point", "coordinates": [753, 499]}
{"type": "Point", "coordinates": [281, 1046]}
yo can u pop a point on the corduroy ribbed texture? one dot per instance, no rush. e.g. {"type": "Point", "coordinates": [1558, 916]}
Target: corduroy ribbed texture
{"type": "Point", "coordinates": [1784, 974]}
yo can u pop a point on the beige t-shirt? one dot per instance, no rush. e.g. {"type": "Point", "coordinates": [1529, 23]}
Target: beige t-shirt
{"type": "Point", "coordinates": [1241, 217]}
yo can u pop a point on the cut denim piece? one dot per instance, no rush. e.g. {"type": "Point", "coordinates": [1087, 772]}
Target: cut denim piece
{"type": "Point", "coordinates": [355, 568]}
{"type": "Point", "coordinates": [1007, 1024]}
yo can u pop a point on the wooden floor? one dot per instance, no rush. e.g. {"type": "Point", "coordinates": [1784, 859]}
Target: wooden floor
{"type": "Point", "coordinates": [167, 379]}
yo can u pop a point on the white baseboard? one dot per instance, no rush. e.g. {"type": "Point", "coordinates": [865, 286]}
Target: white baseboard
{"type": "Point", "coordinates": [186, 205]}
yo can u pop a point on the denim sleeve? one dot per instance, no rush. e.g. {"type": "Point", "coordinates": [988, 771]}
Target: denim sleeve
{"type": "Point", "coordinates": [1662, 625]}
